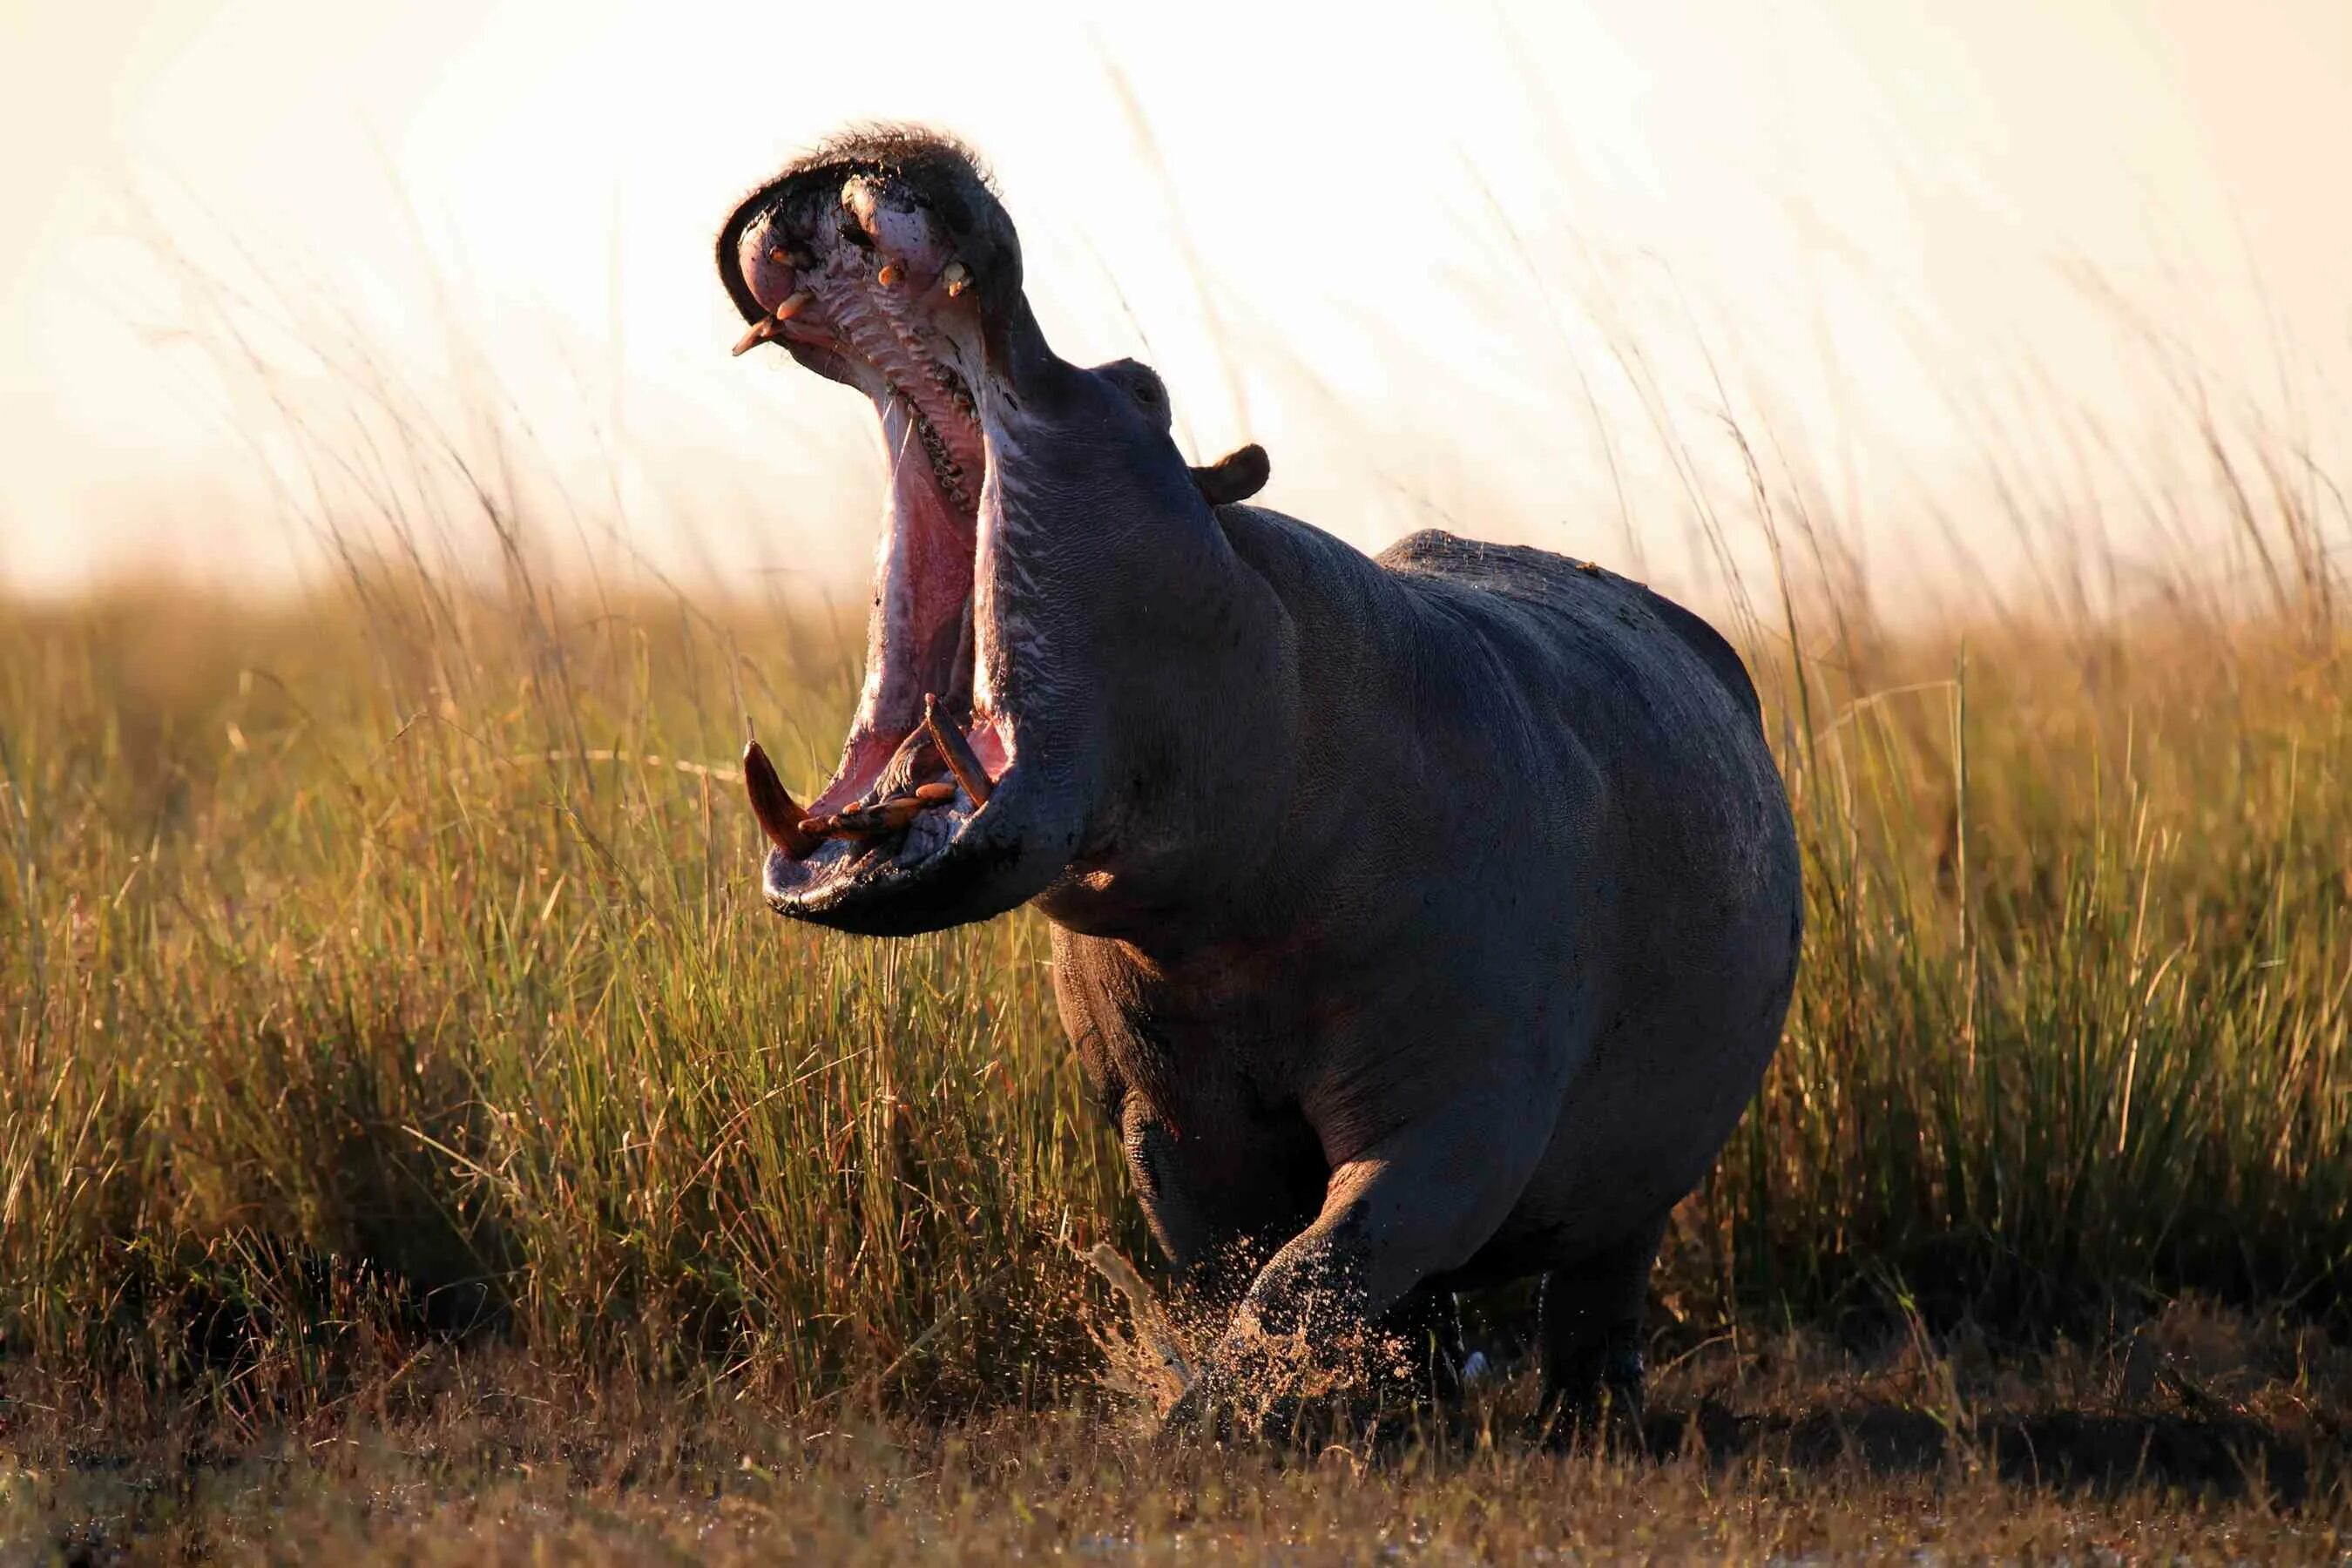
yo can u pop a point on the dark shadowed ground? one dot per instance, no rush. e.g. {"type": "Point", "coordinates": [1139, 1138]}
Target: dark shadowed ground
{"type": "Point", "coordinates": [2200, 1436]}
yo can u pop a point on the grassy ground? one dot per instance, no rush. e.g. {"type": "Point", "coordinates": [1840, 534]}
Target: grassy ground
{"type": "Point", "coordinates": [2207, 1437]}
{"type": "Point", "coordinates": [411, 1123]}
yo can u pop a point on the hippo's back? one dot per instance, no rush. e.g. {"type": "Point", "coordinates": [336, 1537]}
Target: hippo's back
{"type": "Point", "coordinates": [1547, 583]}
{"type": "Point", "coordinates": [1649, 694]}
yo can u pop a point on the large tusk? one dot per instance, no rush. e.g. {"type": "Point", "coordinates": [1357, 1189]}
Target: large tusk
{"type": "Point", "coordinates": [960, 759]}
{"type": "Point", "coordinates": [780, 819]}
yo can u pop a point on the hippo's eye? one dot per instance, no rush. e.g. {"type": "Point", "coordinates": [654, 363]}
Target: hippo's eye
{"type": "Point", "coordinates": [1141, 382]}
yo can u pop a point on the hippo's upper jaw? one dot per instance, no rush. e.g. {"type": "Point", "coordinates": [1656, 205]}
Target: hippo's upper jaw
{"type": "Point", "coordinates": [883, 262]}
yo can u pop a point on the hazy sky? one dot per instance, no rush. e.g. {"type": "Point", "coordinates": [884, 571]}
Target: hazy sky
{"type": "Point", "coordinates": [1394, 245]}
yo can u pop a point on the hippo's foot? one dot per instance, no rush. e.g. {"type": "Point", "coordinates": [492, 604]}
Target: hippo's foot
{"type": "Point", "coordinates": [1407, 1375]}
{"type": "Point", "coordinates": [1419, 1352]}
{"type": "Point", "coordinates": [1225, 1410]}
{"type": "Point", "coordinates": [1599, 1402]}
{"type": "Point", "coordinates": [1591, 1333]}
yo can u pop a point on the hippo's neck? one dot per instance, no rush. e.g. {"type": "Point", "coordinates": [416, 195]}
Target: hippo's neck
{"type": "Point", "coordinates": [1262, 725]}
{"type": "Point", "coordinates": [1201, 753]}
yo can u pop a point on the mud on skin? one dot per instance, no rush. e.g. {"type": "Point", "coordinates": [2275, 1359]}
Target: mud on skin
{"type": "Point", "coordinates": [1423, 920]}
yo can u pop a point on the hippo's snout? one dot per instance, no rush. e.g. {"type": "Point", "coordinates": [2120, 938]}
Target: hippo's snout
{"type": "Point", "coordinates": [884, 262]}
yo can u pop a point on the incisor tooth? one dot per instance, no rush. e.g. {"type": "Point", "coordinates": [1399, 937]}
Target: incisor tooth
{"type": "Point", "coordinates": [938, 794]}
{"type": "Point", "coordinates": [955, 275]}
{"type": "Point", "coordinates": [761, 330]}
{"type": "Point", "coordinates": [800, 301]}
{"type": "Point", "coordinates": [891, 816]}
{"type": "Point", "coordinates": [890, 275]}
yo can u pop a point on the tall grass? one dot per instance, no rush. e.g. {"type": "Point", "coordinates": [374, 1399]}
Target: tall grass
{"type": "Point", "coordinates": [387, 965]}
{"type": "Point", "coordinates": [360, 990]}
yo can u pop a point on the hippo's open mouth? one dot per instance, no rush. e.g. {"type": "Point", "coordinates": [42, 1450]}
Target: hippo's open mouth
{"type": "Point", "coordinates": [860, 271]}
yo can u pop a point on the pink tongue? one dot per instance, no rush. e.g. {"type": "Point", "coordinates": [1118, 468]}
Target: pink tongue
{"type": "Point", "coordinates": [989, 747]}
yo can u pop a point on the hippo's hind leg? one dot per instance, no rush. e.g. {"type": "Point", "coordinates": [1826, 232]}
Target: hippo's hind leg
{"type": "Point", "coordinates": [1590, 1329]}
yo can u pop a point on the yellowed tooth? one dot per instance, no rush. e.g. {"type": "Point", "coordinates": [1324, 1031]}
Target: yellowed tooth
{"type": "Point", "coordinates": [780, 819]}
{"type": "Point", "coordinates": [938, 794]}
{"type": "Point", "coordinates": [890, 275]}
{"type": "Point", "coordinates": [800, 301]}
{"type": "Point", "coordinates": [761, 330]}
{"type": "Point", "coordinates": [956, 277]}
{"type": "Point", "coordinates": [962, 760]}
{"type": "Point", "coordinates": [792, 259]}
{"type": "Point", "coordinates": [891, 816]}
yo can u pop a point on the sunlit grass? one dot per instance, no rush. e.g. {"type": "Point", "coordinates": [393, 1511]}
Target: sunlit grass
{"type": "Point", "coordinates": [366, 986]}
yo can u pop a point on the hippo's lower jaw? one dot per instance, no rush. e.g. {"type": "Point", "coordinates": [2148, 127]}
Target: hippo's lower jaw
{"type": "Point", "coordinates": [868, 269]}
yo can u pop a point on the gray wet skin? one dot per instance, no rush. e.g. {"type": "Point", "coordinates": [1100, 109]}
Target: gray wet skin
{"type": "Point", "coordinates": [1423, 920]}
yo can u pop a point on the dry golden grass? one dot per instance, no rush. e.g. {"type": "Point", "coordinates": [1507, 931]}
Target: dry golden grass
{"type": "Point", "coordinates": [416, 1139]}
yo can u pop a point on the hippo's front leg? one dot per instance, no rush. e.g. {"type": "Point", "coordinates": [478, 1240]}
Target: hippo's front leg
{"type": "Point", "coordinates": [1417, 1204]}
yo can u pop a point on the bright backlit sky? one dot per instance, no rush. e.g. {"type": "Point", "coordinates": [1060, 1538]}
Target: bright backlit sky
{"type": "Point", "coordinates": [1392, 246]}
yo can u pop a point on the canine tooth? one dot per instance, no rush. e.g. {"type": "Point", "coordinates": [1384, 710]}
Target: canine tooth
{"type": "Point", "coordinates": [890, 275]}
{"type": "Point", "coordinates": [801, 300]}
{"type": "Point", "coordinates": [960, 759]}
{"type": "Point", "coordinates": [955, 275]}
{"type": "Point", "coordinates": [780, 819]}
{"type": "Point", "coordinates": [792, 259]}
{"type": "Point", "coordinates": [761, 330]}
{"type": "Point", "coordinates": [935, 793]}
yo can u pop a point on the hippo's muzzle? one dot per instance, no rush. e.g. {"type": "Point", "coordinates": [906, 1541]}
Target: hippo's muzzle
{"type": "Point", "coordinates": [886, 265]}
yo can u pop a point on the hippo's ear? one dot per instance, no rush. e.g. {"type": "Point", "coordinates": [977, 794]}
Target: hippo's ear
{"type": "Point", "coordinates": [1236, 476]}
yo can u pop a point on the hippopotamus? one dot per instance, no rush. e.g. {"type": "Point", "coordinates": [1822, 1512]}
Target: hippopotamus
{"type": "Point", "coordinates": [1422, 920]}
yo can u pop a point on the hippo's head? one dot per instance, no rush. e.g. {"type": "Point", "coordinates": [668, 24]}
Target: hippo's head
{"type": "Point", "coordinates": [1041, 517]}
